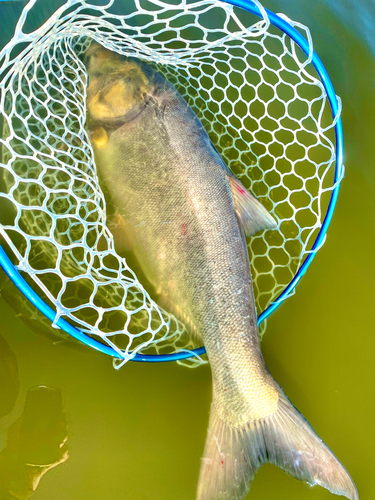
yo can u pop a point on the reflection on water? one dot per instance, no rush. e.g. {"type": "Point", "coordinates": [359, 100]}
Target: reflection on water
{"type": "Point", "coordinates": [358, 16]}
{"type": "Point", "coordinates": [355, 16]}
{"type": "Point", "coordinates": [33, 319]}
{"type": "Point", "coordinates": [151, 421]}
{"type": "Point", "coordinates": [9, 379]}
{"type": "Point", "coordinates": [36, 443]}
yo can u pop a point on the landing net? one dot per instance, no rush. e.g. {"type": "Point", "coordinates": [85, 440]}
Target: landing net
{"type": "Point", "coordinates": [256, 93]}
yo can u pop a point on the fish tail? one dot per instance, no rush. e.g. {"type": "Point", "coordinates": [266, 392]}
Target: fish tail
{"type": "Point", "coordinates": [233, 455]}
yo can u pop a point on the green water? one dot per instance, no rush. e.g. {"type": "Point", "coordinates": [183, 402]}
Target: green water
{"type": "Point", "coordinates": [139, 433]}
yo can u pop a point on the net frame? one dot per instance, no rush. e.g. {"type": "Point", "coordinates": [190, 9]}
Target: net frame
{"type": "Point", "coordinates": [285, 25]}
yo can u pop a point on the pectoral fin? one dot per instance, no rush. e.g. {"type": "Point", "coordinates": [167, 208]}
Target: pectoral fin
{"type": "Point", "coordinates": [168, 301]}
{"type": "Point", "coordinates": [252, 214]}
{"type": "Point", "coordinates": [99, 137]}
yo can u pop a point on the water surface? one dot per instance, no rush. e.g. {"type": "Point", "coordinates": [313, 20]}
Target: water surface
{"type": "Point", "coordinates": [139, 433]}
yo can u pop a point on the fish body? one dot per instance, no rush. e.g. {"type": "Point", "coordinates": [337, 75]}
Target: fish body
{"type": "Point", "coordinates": [184, 215]}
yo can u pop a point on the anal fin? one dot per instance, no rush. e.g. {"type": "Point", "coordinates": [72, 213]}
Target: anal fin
{"type": "Point", "coordinates": [99, 137]}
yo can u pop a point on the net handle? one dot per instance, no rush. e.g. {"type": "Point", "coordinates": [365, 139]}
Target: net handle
{"type": "Point", "coordinates": [253, 7]}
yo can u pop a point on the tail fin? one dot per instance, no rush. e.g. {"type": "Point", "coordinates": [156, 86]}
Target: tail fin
{"type": "Point", "coordinates": [233, 455]}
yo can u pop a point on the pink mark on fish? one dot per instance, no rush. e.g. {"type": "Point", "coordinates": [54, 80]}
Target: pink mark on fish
{"type": "Point", "coordinates": [240, 189]}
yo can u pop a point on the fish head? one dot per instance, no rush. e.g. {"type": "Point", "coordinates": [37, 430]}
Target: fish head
{"type": "Point", "coordinates": [116, 84]}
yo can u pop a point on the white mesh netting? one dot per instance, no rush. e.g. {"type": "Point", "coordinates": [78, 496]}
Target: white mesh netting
{"type": "Point", "coordinates": [259, 99]}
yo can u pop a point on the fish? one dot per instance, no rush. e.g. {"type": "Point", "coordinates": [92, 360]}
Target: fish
{"type": "Point", "coordinates": [186, 218]}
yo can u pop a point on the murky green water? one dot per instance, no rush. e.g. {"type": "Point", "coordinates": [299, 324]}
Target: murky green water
{"type": "Point", "coordinates": [139, 433]}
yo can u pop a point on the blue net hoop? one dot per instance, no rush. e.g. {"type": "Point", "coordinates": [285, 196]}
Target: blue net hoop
{"type": "Point", "coordinates": [282, 24]}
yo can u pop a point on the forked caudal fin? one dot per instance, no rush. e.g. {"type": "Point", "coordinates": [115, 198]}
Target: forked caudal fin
{"type": "Point", "coordinates": [233, 456]}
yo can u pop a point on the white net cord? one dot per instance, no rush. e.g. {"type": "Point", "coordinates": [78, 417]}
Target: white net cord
{"type": "Point", "coordinates": [260, 100]}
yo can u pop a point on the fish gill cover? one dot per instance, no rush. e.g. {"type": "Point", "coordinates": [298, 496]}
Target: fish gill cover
{"type": "Point", "coordinates": [258, 97]}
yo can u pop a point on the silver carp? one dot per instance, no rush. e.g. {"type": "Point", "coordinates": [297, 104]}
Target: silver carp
{"type": "Point", "coordinates": [185, 216]}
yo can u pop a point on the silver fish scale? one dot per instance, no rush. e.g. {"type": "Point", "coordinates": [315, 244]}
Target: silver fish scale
{"type": "Point", "coordinates": [172, 189]}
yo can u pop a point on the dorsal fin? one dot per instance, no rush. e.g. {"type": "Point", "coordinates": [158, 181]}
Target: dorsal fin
{"type": "Point", "coordinates": [252, 214]}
